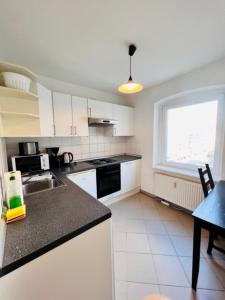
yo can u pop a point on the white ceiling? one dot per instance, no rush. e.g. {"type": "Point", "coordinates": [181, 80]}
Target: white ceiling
{"type": "Point", "coordinates": [85, 41]}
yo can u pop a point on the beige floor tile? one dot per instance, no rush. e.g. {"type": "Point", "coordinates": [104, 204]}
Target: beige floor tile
{"type": "Point", "coordinates": [169, 271]}
{"type": "Point", "coordinates": [177, 293]}
{"type": "Point", "coordinates": [148, 202]}
{"type": "Point", "coordinates": [139, 274]}
{"type": "Point", "coordinates": [183, 245]}
{"type": "Point", "coordinates": [135, 213]}
{"type": "Point", "coordinates": [137, 291]}
{"type": "Point", "coordinates": [167, 213]}
{"type": "Point", "coordinates": [135, 226]}
{"type": "Point", "coordinates": [218, 266]}
{"type": "Point", "coordinates": [132, 225]}
{"type": "Point", "coordinates": [120, 266]}
{"type": "Point", "coordinates": [161, 244]}
{"type": "Point", "coordinates": [121, 290]}
{"type": "Point", "coordinates": [128, 213]}
{"type": "Point", "coordinates": [155, 227]}
{"type": "Point", "coordinates": [188, 223]}
{"type": "Point", "coordinates": [215, 253]}
{"type": "Point", "coordinates": [210, 295]}
{"type": "Point", "coordinates": [150, 214]}
{"type": "Point", "coordinates": [119, 241]}
{"type": "Point", "coordinates": [137, 242]}
{"type": "Point", "coordinates": [119, 226]}
{"type": "Point", "coordinates": [177, 228]}
{"type": "Point", "coordinates": [140, 268]}
{"type": "Point", "coordinates": [207, 278]}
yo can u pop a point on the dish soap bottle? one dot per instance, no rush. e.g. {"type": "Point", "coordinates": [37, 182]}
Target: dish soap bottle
{"type": "Point", "coordinates": [13, 186]}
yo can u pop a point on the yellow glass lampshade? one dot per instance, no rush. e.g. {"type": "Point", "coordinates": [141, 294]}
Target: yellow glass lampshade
{"type": "Point", "coordinates": [130, 87]}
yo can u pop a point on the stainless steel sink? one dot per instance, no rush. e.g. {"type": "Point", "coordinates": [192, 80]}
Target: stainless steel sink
{"type": "Point", "coordinates": [40, 185]}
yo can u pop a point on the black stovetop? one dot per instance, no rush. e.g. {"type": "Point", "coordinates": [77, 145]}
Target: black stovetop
{"type": "Point", "coordinates": [101, 161]}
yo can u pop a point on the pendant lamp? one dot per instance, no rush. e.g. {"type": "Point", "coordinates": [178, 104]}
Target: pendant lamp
{"type": "Point", "coordinates": [131, 86]}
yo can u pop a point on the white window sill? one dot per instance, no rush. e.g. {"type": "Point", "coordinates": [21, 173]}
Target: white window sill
{"type": "Point", "coordinates": [183, 173]}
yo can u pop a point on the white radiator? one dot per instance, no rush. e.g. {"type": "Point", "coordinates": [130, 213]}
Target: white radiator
{"type": "Point", "coordinates": [181, 192]}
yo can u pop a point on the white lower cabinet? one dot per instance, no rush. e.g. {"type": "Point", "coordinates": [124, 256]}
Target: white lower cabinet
{"type": "Point", "coordinates": [130, 175]}
{"type": "Point", "coordinates": [79, 269]}
{"type": "Point", "coordinates": [130, 180]}
{"type": "Point", "coordinates": [86, 180]}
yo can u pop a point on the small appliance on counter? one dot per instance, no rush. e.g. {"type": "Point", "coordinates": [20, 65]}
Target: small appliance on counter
{"type": "Point", "coordinates": [67, 158]}
{"type": "Point", "coordinates": [54, 158]}
{"type": "Point", "coordinates": [28, 148]}
{"type": "Point", "coordinates": [30, 163]}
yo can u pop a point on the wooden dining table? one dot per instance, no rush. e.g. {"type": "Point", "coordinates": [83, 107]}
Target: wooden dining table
{"type": "Point", "coordinates": [210, 215]}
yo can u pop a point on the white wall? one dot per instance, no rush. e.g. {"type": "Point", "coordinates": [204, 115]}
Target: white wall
{"type": "Point", "coordinates": [98, 143]}
{"type": "Point", "coordinates": [212, 74]}
{"type": "Point", "coordinates": [78, 90]}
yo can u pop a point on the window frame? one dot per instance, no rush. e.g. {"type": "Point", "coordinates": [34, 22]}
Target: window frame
{"type": "Point", "coordinates": [160, 130]}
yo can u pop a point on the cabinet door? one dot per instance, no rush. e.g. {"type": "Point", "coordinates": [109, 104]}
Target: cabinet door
{"type": "Point", "coordinates": [125, 117]}
{"type": "Point", "coordinates": [130, 175]}
{"type": "Point", "coordinates": [99, 109]}
{"type": "Point", "coordinates": [45, 111]}
{"type": "Point", "coordinates": [80, 117]}
{"type": "Point", "coordinates": [62, 114]}
{"type": "Point", "coordinates": [86, 180]}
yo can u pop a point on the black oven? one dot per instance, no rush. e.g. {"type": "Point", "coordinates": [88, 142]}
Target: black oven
{"type": "Point", "coordinates": [108, 180]}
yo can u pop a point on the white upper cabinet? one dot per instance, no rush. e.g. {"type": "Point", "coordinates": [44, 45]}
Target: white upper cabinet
{"type": "Point", "coordinates": [45, 111]}
{"type": "Point", "coordinates": [62, 114]}
{"type": "Point", "coordinates": [99, 109]}
{"type": "Point", "coordinates": [125, 117]}
{"type": "Point", "coordinates": [80, 118]}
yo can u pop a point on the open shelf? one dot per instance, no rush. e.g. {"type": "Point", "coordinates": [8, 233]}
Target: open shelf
{"type": "Point", "coordinates": [8, 67]}
{"type": "Point", "coordinates": [20, 115]}
{"type": "Point", "coordinates": [15, 93]}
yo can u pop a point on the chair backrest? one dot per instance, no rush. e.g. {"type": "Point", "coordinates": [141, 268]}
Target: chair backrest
{"type": "Point", "coordinates": [207, 183]}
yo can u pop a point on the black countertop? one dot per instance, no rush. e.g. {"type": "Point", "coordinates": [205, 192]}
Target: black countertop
{"type": "Point", "coordinates": [54, 217]}
{"type": "Point", "coordinates": [84, 166]}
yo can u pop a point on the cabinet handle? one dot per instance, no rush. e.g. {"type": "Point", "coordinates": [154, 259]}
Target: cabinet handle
{"type": "Point", "coordinates": [71, 130]}
{"type": "Point", "coordinates": [53, 129]}
{"type": "Point", "coordinates": [75, 130]}
{"type": "Point", "coordinates": [89, 111]}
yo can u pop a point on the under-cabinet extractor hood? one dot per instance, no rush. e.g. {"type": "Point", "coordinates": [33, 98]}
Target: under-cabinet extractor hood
{"type": "Point", "coordinates": [101, 122]}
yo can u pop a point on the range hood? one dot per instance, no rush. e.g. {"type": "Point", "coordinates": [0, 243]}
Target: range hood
{"type": "Point", "coordinates": [101, 122]}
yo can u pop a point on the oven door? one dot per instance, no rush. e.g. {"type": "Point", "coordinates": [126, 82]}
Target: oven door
{"type": "Point", "coordinates": [108, 180]}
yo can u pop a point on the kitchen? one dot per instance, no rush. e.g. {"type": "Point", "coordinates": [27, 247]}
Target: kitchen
{"type": "Point", "coordinates": [101, 195]}
{"type": "Point", "coordinates": [52, 174]}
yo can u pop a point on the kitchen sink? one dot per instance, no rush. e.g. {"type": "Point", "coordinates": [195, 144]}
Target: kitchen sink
{"type": "Point", "coordinates": [40, 185]}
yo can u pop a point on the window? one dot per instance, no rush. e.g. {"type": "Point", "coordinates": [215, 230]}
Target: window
{"type": "Point", "coordinates": [190, 133]}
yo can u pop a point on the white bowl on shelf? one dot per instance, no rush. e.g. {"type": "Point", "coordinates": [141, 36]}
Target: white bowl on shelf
{"type": "Point", "coordinates": [16, 81]}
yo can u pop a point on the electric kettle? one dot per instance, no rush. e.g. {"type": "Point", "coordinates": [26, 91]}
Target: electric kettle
{"type": "Point", "coordinates": [67, 158]}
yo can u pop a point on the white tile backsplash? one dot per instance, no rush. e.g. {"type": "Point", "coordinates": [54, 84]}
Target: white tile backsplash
{"type": "Point", "coordinates": [98, 143]}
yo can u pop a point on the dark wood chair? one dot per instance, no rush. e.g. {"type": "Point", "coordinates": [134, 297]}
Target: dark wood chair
{"type": "Point", "coordinates": [207, 186]}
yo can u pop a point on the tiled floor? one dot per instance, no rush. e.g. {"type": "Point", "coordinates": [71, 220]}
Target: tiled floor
{"type": "Point", "coordinates": [153, 253]}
